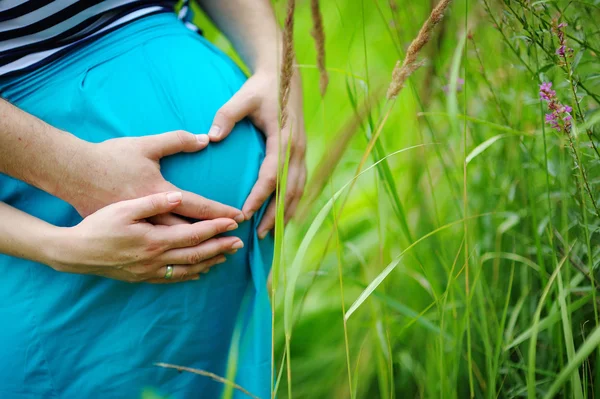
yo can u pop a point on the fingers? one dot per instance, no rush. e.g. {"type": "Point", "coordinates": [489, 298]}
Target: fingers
{"type": "Point", "coordinates": [202, 252]}
{"type": "Point", "coordinates": [294, 194]}
{"type": "Point", "coordinates": [161, 145]}
{"type": "Point", "coordinates": [197, 207]}
{"type": "Point", "coordinates": [167, 219]}
{"type": "Point", "coordinates": [151, 205]}
{"type": "Point", "coordinates": [264, 187]}
{"type": "Point", "coordinates": [294, 190]}
{"type": "Point", "coordinates": [191, 235]}
{"type": "Point", "coordinates": [186, 272]}
{"type": "Point", "coordinates": [237, 108]}
{"type": "Point", "coordinates": [268, 221]}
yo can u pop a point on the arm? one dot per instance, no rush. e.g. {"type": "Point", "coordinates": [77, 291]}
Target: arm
{"type": "Point", "coordinates": [254, 32]}
{"type": "Point", "coordinates": [91, 176]}
{"type": "Point", "coordinates": [251, 27]}
{"type": "Point", "coordinates": [33, 151]}
{"type": "Point", "coordinates": [30, 240]}
{"type": "Point", "coordinates": [118, 243]}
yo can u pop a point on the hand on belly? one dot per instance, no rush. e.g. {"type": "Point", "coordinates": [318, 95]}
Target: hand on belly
{"type": "Point", "coordinates": [127, 168]}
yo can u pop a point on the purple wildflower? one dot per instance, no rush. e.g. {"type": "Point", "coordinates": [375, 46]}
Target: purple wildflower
{"type": "Point", "coordinates": [560, 115]}
{"type": "Point", "coordinates": [552, 120]}
{"type": "Point", "coordinates": [546, 91]}
{"type": "Point", "coordinates": [563, 51]}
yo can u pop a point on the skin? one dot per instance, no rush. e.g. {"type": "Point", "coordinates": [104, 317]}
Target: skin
{"type": "Point", "coordinates": [252, 28]}
{"type": "Point", "coordinates": [101, 180]}
{"type": "Point", "coordinates": [117, 241]}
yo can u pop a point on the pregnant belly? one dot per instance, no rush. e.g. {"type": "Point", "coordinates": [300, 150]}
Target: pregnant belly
{"type": "Point", "coordinates": [109, 331]}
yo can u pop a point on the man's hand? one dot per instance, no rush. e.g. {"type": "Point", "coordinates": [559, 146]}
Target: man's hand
{"type": "Point", "coordinates": [91, 176]}
{"type": "Point", "coordinates": [127, 168]}
{"type": "Point", "coordinates": [258, 100]}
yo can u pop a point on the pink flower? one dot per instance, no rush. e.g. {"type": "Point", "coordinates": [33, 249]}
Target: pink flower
{"type": "Point", "coordinates": [560, 116]}
{"type": "Point", "coordinates": [562, 51]}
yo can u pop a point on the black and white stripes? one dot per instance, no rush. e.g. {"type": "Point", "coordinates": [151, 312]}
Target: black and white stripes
{"type": "Point", "coordinates": [35, 32]}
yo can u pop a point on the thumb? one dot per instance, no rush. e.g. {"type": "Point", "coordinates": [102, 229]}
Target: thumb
{"type": "Point", "coordinates": [152, 205]}
{"type": "Point", "coordinates": [161, 145]}
{"type": "Point", "coordinates": [237, 108]}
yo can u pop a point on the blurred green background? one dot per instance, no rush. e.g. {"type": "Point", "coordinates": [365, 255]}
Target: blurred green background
{"type": "Point", "coordinates": [489, 239]}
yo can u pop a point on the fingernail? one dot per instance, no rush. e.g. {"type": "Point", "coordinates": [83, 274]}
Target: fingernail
{"type": "Point", "coordinates": [202, 139]}
{"type": "Point", "coordinates": [249, 214]}
{"type": "Point", "coordinates": [239, 218]}
{"type": "Point", "coordinates": [232, 226]}
{"type": "Point", "coordinates": [222, 260]}
{"type": "Point", "coordinates": [196, 278]}
{"type": "Point", "coordinates": [214, 132]}
{"type": "Point", "coordinates": [174, 197]}
{"type": "Point", "coordinates": [263, 234]}
{"type": "Point", "coordinates": [232, 251]}
{"type": "Point", "coordinates": [237, 245]}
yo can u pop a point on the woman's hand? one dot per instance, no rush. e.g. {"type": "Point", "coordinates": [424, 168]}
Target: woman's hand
{"type": "Point", "coordinates": [118, 243]}
{"type": "Point", "coordinates": [258, 100]}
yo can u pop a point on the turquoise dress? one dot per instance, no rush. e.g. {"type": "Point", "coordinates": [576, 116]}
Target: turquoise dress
{"type": "Point", "coordinates": [80, 336]}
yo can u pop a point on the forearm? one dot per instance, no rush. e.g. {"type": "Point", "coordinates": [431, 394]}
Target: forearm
{"type": "Point", "coordinates": [252, 28]}
{"type": "Point", "coordinates": [35, 152]}
{"type": "Point", "coordinates": [25, 236]}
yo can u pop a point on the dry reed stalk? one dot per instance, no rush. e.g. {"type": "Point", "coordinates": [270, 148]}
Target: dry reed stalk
{"type": "Point", "coordinates": [410, 64]}
{"type": "Point", "coordinates": [333, 155]}
{"type": "Point", "coordinates": [318, 33]}
{"type": "Point", "coordinates": [287, 62]}
{"type": "Point", "coordinates": [434, 50]}
{"type": "Point", "coordinates": [208, 374]}
{"type": "Point", "coordinates": [399, 76]}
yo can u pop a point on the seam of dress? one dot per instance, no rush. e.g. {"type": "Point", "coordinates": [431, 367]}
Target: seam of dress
{"type": "Point", "coordinates": [156, 75]}
{"type": "Point", "coordinates": [39, 337]}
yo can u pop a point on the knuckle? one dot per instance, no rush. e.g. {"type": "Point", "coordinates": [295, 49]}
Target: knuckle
{"type": "Point", "coordinates": [271, 180]}
{"type": "Point", "coordinates": [224, 114]}
{"type": "Point", "coordinates": [195, 239]}
{"type": "Point", "coordinates": [203, 209]}
{"type": "Point", "coordinates": [195, 258]}
{"type": "Point", "coordinates": [123, 211]}
{"type": "Point", "coordinates": [225, 244]}
{"type": "Point", "coordinates": [292, 193]}
{"type": "Point", "coordinates": [183, 136]}
{"type": "Point", "coordinates": [143, 272]}
{"type": "Point", "coordinates": [154, 202]}
{"type": "Point", "coordinates": [152, 249]}
{"type": "Point", "coordinates": [218, 228]}
{"type": "Point", "coordinates": [300, 147]}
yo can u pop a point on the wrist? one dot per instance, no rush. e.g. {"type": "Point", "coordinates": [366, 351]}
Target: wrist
{"type": "Point", "coordinates": [69, 160]}
{"type": "Point", "coordinates": [54, 248]}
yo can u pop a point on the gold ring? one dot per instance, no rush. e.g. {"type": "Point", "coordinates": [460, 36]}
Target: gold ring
{"type": "Point", "coordinates": [169, 272]}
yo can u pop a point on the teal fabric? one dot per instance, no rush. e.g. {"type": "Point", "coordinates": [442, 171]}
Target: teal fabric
{"type": "Point", "coordinates": [78, 336]}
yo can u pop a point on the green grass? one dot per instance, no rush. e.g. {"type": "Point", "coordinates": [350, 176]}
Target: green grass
{"type": "Point", "coordinates": [462, 261]}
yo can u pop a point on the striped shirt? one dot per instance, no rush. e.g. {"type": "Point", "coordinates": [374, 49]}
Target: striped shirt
{"type": "Point", "coordinates": [36, 32]}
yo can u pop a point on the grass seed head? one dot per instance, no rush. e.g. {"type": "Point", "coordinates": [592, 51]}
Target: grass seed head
{"type": "Point", "coordinates": [287, 63]}
{"type": "Point", "coordinates": [410, 64]}
{"type": "Point", "coordinates": [318, 33]}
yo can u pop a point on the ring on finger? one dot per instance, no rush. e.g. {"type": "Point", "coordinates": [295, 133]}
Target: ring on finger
{"type": "Point", "coordinates": [169, 272]}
